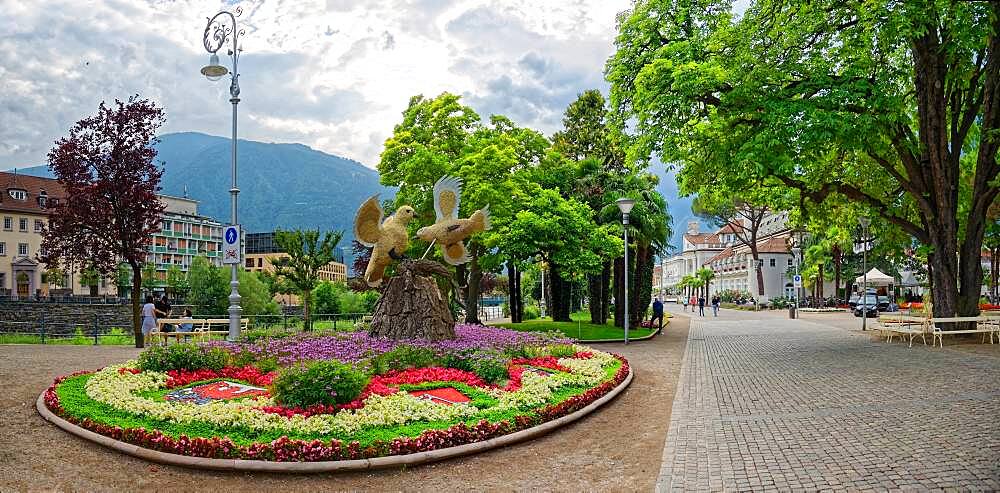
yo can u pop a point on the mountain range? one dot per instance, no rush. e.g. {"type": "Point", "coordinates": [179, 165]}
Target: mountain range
{"type": "Point", "coordinates": [294, 186]}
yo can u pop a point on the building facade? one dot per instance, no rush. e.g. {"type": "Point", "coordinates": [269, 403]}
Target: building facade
{"type": "Point", "coordinates": [261, 251]}
{"type": "Point", "coordinates": [184, 234]}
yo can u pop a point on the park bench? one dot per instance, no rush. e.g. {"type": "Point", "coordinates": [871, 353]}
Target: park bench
{"type": "Point", "coordinates": [892, 325]}
{"type": "Point", "coordinates": [988, 326]}
{"type": "Point", "coordinates": [201, 328]}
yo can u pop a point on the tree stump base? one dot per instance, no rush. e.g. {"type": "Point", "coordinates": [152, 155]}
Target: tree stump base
{"type": "Point", "coordinates": [411, 306]}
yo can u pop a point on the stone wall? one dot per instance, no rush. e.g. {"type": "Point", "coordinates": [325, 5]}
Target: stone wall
{"type": "Point", "coordinates": [62, 318]}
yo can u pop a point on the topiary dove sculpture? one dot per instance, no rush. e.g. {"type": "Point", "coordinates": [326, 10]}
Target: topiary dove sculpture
{"type": "Point", "coordinates": [448, 231]}
{"type": "Point", "coordinates": [388, 239]}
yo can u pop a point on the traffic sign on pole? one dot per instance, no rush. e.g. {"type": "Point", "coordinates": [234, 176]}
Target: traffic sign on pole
{"type": "Point", "coordinates": [797, 280]}
{"type": "Point", "coordinates": [231, 245]}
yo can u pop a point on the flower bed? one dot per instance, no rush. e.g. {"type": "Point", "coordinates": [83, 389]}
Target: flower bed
{"type": "Point", "coordinates": [336, 396]}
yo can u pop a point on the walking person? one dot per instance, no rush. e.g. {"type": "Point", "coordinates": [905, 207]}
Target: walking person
{"type": "Point", "coordinates": [149, 313]}
{"type": "Point", "coordinates": [685, 301]}
{"type": "Point", "coordinates": [701, 306]}
{"type": "Point", "coordinates": [715, 305]}
{"type": "Point", "coordinates": [163, 307]}
{"type": "Point", "coordinates": [657, 314]}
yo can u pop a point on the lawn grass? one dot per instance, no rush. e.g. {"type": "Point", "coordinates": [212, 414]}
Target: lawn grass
{"type": "Point", "coordinates": [580, 328]}
{"type": "Point", "coordinates": [115, 338]}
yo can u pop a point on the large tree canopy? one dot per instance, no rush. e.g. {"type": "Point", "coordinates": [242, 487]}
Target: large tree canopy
{"type": "Point", "coordinates": [891, 105]}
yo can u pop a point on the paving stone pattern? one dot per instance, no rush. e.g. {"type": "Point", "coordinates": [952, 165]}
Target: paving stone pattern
{"type": "Point", "coordinates": [789, 405]}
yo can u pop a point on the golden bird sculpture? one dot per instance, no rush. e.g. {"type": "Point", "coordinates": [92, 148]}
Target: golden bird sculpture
{"type": "Point", "coordinates": [448, 231]}
{"type": "Point", "coordinates": [387, 239]}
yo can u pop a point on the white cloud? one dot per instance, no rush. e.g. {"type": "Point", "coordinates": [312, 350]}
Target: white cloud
{"type": "Point", "coordinates": [332, 74]}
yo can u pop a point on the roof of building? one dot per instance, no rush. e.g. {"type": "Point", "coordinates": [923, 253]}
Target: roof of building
{"type": "Point", "coordinates": [702, 238]}
{"type": "Point", "coordinates": [728, 252]}
{"type": "Point", "coordinates": [33, 186]}
{"type": "Point", "coordinates": [729, 228]}
{"type": "Point", "coordinates": [773, 245]}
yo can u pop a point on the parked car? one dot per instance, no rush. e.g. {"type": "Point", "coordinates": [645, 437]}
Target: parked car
{"type": "Point", "coordinates": [670, 299]}
{"type": "Point", "coordinates": [867, 305]}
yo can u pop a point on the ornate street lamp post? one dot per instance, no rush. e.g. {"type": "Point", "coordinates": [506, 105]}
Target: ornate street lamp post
{"type": "Point", "coordinates": [864, 221]}
{"type": "Point", "coordinates": [222, 28]}
{"type": "Point", "coordinates": [625, 205]}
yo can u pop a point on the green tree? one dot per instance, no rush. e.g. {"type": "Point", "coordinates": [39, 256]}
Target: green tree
{"type": "Point", "coordinates": [54, 276]}
{"type": "Point", "coordinates": [209, 288]}
{"type": "Point", "coordinates": [123, 279]}
{"type": "Point", "coordinates": [307, 253]}
{"type": "Point", "coordinates": [177, 281]}
{"type": "Point", "coordinates": [91, 278]}
{"type": "Point", "coordinates": [255, 298]}
{"type": "Point", "coordinates": [706, 276]}
{"type": "Point", "coordinates": [150, 280]}
{"type": "Point", "coordinates": [891, 105]}
{"type": "Point", "coordinates": [439, 137]}
{"type": "Point", "coordinates": [327, 296]}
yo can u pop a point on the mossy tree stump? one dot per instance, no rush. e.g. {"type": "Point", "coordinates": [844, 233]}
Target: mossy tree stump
{"type": "Point", "coordinates": [411, 305]}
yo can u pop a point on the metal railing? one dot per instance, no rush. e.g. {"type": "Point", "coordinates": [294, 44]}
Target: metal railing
{"type": "Point", "coordinates": [92, 330]}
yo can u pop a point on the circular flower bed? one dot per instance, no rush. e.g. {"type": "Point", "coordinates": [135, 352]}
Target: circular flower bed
{"type": "Point", "coordinates": [335, 396]}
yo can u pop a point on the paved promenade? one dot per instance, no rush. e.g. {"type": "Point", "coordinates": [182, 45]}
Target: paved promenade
{"type": "Point", "coordinates": [766, 403]}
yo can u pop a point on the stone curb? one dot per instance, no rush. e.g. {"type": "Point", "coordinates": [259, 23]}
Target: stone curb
{"type": "Point", "coordinates": [631, 339]}
{"type": "Point", "coordinates": [328, 466]}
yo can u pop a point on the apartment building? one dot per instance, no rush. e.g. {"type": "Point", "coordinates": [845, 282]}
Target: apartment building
{"type": "Point", "coordinates": [183, 235]}
{"type": "Point", "coordinates": [261, 250]}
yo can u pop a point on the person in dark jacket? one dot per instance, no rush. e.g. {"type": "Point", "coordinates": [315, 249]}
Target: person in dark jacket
{"type": "Point", "coordinates": [715, 305]}
{"type": "Point", "coordinates": [163, 306]}
{"type": "Point", "coordinates": [657, 313]}
{"type": "Point", "coordinates": [701, 306]}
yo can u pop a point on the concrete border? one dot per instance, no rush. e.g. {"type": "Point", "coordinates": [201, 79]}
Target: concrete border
{"type": "Point", "coordinates": [328, 466]}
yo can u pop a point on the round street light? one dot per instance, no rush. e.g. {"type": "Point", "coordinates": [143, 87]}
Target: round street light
{"type": "Point", "coordinates": [625, 205]}
{"type": "Point", "coordinates": [214, 71]}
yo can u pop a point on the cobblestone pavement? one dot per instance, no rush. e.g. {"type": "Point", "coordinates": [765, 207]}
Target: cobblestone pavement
{"type": "Point", "coordinates": [788, 405]}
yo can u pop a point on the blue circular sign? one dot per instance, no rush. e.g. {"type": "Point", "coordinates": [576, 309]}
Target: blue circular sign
{"type": "Point", "coordinates": [231, 235]}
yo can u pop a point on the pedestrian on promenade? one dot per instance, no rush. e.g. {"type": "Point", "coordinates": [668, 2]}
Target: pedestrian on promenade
{"type": "Point", "coordinates": [701, 306]}
{"type": "Point", "coordinates": [685, 301]}
{"type": "Point", "coordinates": [715, 305]}
{"type": "Point", "coordinates": [657, 314]}
{"type": "Point", "coordinates": [164, 308]}
{"type": "Point", "coordinates": [149, 313]}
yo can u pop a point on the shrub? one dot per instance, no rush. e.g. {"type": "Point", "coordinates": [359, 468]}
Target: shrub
{"type": "Point", "coordinates": [403, 357]}
{"type": "Point", "coordinates": [562, 350]}
{"type": "Point", "coordinates": [491, 366]}
{"type": "Point", "coordinates": [531, 312]}
{"type": "Point", "coordinates": [319, 382]}
{"type": "Point", "coordinates": [185, 356]}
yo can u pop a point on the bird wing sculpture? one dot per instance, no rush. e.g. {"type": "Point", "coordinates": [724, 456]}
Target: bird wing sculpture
{"type": "Point", "coordinates": [387, 239]}
{"type": "Point", "coordinates": [449, 231]}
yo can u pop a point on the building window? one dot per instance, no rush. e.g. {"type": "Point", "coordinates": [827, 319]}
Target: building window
{"type": "Point", "coordinates": [39, 225]}
{"type": "Point", "coordinates": [3, 248]}
{"type": "Point", "coordinates": [249, 263]}
{"type": "Point", "coordinates": [22, 249]}
{"type": "Point", "coordinates": [22, 224]}
{"type": "Point", "coordinates": [8, 223]}
{"type": "Point", "coordinates": [789, 262]}
{"type": "Point", "coordinates": [772, 262]}
{"type": "Point", "coordinates": [17, 194]}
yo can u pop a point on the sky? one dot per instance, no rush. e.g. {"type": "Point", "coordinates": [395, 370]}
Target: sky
{"type": "Point", "coordinates": [332, 74]}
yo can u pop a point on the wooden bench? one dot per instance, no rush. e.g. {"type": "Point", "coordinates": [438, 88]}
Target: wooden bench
{"type": "Point", "coordinates": [904, 326]}
{"type": "Point", "coordinates": [984, 325]}
{"type": "Point", "coordinates": [201, 328]}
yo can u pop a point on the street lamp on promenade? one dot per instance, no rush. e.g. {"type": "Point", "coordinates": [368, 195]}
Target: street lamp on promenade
{"type": "Point", "coordinates": [625, 205]}
{"type": "Point", "coordinates": [222, 28]}
{"type": "Point", "coordinates": [864, 221]}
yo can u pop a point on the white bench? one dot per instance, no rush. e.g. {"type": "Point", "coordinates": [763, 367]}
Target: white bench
{"type": "Point", "coordinates": [984, 325]}
{"type": "Point", "coordinates": [201, 328]}
{"type": "Point", "coordinates": [904, 326]}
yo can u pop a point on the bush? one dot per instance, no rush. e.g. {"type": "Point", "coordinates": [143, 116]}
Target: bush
{"type": "Point", "coordinates": [319, 382]}
{"type": "Point", "coordinates": [531, 312]}
{"type": "Point", "coordinates": [491, 366]}
{"type": "Point", "coordinates": [562, 350]}
{"type": "Point", "coordinates": [182, 357]}
{"type": "Point", "coordinates": [403, 357]}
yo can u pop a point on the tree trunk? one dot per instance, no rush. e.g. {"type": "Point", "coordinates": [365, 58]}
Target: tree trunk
{"type": "Point", "coordinates": [306, 307]}
{"type": "Point", "coordinates": [560, 302]}
{"type": "Point", "coordinates": [136, 307]}
{"type": "Point", "coordinates": [605, 291]}
{"type": "Point", "coordinates": [520, 294]}
{"type": "Point", "coordinates": [836, 272]}
{"type": "Point", "coordinates": [596, 296]}
{"type": "Point", "coordinates": [411, 305]}
{"type": "Point", "coordinates": [759, 271]}
{"type": "Point", "coordinates": [619, 288]}
{"type": "Point", "coordinates": [472, 292]}
{"type": "Point", "coordinates": [641, 286]}
{"type": "Point", "coordinates": [514, 292]}
{"type": "Point", "coordinates": [819, 286]}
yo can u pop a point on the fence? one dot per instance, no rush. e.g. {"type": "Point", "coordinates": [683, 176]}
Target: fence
{"type": "Point", "coordinates": [97, 330]}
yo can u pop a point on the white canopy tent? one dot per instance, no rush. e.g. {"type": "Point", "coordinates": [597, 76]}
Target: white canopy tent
{"type": "Point", "coordinates": [876, 278]}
